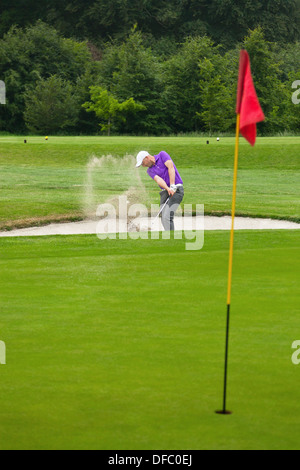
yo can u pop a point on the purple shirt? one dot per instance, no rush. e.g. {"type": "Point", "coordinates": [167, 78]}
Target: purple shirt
{"type": "Point", "coordinates": [160, 169]}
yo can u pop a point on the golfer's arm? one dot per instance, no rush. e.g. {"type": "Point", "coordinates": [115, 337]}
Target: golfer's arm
{"type": "Point", "coordinates": [169, 164]}
{"type": "Point", "coordinates": [161, 182]}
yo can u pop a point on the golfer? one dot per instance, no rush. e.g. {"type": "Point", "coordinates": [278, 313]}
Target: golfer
{"type": "Point", "coordinates": [163, 171]}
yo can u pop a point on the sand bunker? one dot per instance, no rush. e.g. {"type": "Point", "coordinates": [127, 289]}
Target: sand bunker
{"type": "Point", "coordinates": [181, 223]}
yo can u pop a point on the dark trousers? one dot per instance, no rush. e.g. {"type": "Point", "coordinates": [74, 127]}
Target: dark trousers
{"type": "Point", "coordinates": [167, 215]}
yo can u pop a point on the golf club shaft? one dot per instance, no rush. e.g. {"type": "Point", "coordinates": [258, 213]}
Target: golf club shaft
{"type": "Point", "coordinates": [161, 209]}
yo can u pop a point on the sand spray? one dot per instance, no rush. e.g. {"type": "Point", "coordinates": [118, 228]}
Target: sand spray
{"type": "Point", "coordinates": [109, 177]}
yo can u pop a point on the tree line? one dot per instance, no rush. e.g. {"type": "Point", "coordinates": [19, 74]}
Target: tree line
{"type": "Point", "coordinates": [163, 23]}
{"type": "Point", "coordinates": [56, 84]}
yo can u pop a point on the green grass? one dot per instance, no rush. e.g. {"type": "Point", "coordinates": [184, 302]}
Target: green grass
{"type": "Point", "coordinates": [47, 181]}
{"type": "Point", "coordinates": [119, 344]}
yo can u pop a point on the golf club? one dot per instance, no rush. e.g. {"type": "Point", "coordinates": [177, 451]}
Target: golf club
{"type": "Point", "coordinates": [162, 208]}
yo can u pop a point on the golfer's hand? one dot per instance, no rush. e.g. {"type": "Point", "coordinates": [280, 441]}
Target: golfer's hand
{"type": "Point", "coordinates": [171, 192]}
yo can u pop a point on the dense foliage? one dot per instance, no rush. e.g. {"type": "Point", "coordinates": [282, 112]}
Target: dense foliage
{"type": "Point", "coordinates": [177, 61]}
{"type": "Point", "coordinates": [225, 21]}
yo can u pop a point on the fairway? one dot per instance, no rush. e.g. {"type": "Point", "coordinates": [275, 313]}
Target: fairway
{"type": "Point", "coordinates": [43, 182]}
{"type": "Point", "coordinates": [119, 344]}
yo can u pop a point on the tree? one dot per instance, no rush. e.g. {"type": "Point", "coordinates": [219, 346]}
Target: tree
{"type": "Point", "coordinates": [182, 92]}
{"type": "Point", "coordinates": [131, 70]}
{"type": "Point", "coordinates": [109, 109]}
{"type": "Point", "coordinates": [229, 20]}
{"type": "Point", "coordinates": [288, 56]}
{"type": "Point", "coordinates": [51, 106]}
{"type": "Point", "coordinates": [20, 13]}
{"type": "Point", "coordinates": [35, 53]}
{"type": "Point", "coordinates": [271, 92]}
{"type": "Point", "coordinates": [225, 21]}
{"type": "Point", "coordinates": [87, 123]}
{"type": "Point", "coordinates": [218, 100]}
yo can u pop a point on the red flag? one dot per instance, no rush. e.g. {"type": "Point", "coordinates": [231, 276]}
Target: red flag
{"type": "Point", "coordinates": [247, 102]}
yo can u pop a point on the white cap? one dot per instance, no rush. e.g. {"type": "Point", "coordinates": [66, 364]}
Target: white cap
{"type": "Point", "coordinates": [140, 157]}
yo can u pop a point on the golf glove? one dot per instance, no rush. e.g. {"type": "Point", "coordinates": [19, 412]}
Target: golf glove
{"type": "Point", "coordinates": [173, 187]}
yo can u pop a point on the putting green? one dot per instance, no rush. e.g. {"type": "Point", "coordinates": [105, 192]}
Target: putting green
{"type": "Point", "coordinates": [119, 344]}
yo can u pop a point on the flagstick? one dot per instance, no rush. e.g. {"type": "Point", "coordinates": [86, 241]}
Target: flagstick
{"type": "Point", "coordinates": [233, 207]}
{"type": "Point", "coordinates": [224, 411]}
